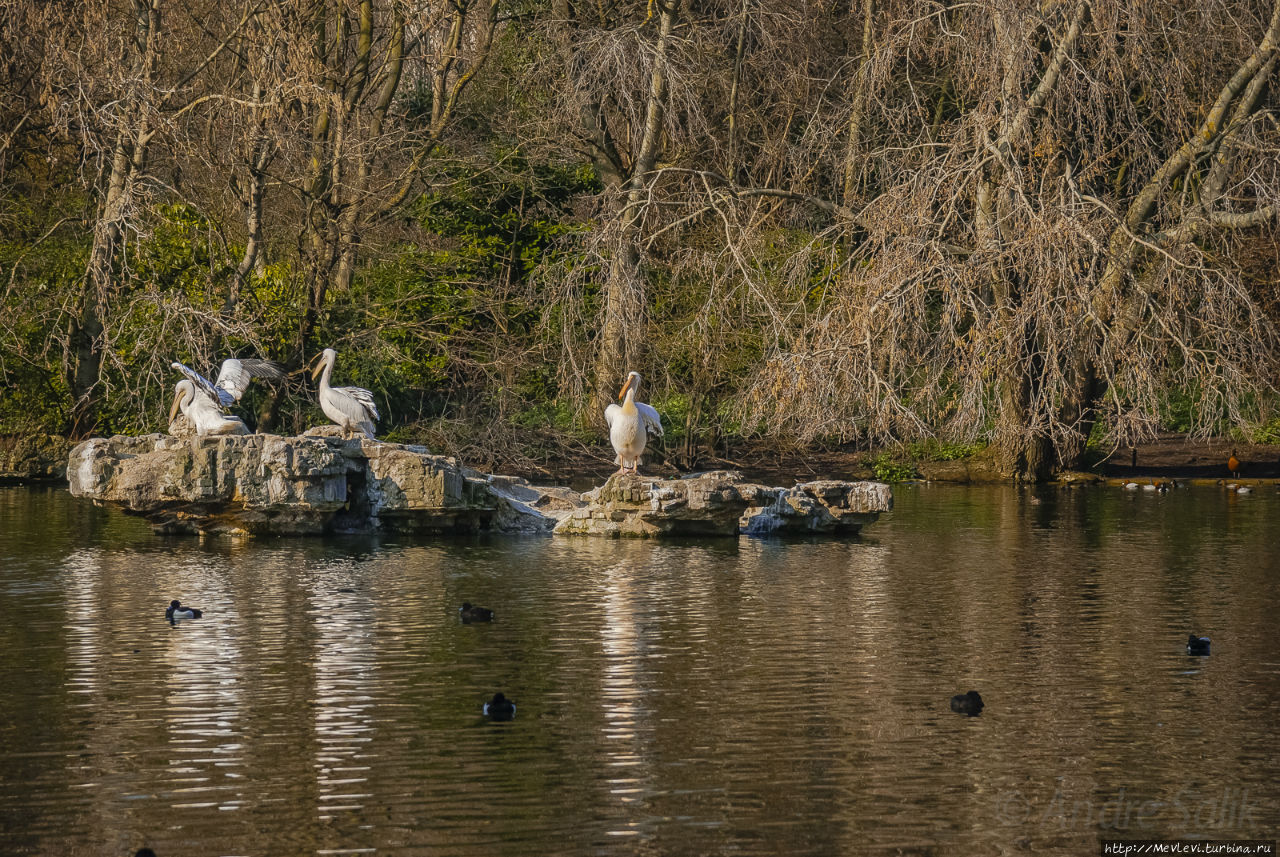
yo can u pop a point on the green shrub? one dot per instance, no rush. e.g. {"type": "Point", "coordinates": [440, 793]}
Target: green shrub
{"type": "Point", "coordinates": [1268, 432]}
{"type": "Point", "coordinates": [888, 469]}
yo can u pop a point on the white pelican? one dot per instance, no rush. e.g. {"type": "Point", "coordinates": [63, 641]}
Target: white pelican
{"type": "Point", "coordinates": [630, 424]}
{"type": "Point", "coordinates": [352, 408]}
{"type": "Point", "coordinates": [233, 378]}
{"type": "Point", "coordinates": [205, 414]}
{"type": "Point", "coordinates": [203, 401]}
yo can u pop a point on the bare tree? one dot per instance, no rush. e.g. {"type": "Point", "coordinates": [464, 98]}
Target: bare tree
{"type": "Point", "coordinates": [112, 80]}
{"type": "Point", "coordinates": [1011, 276]}
{"type": "Point", "coordinates": [1006, 220]}
{"type": "Point", "coordinates": [615, 66]}
{"type": "Point", "coordinates": [323, 143]}
{"type": "Point", "coordinates": [357, 71]}
{"type": "Point", "coordinates": [129, 118]}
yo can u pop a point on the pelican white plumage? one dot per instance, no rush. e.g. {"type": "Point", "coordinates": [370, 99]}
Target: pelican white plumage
{"type": "Point", "coordinates": [352, 408]}
{"type": "Point", "coordinates": [234, 378]}
{"type": "Point", "coordinates": [630, 424]}
{"type": "Point", "coordinates": [203, 401]}
{"type": "Point", "coordinates": [205, 414]}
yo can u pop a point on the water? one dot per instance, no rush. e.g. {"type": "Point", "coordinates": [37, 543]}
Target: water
{"type": "Point", "coordinates": [739, 698]}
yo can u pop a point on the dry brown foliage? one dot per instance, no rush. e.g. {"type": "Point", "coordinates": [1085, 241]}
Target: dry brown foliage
{"type": "Point", "coordinates": [1003, 220]}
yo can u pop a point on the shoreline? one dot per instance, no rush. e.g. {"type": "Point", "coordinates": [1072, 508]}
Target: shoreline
{"type": "Point", "coordinates": [41, 460]}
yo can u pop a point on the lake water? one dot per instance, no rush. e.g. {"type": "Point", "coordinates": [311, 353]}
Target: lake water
{"type": "Point", "coordinates": [737, 697]}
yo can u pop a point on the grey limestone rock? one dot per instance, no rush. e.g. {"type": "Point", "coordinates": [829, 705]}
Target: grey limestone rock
{"type": "Point", "coordinates": [237, 484]}
{"type": "Point", "coordinates": [825, 507]}
{"type": "Point", "coordinates": [320, 482]}
{"type": "Point", "coordinates": [33, 458]}
{"type": "Point", "coordinates": [722, 503]}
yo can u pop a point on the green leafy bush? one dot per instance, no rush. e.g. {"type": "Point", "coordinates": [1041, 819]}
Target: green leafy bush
{"type": "Point", "coordinates": [1268, 432]}
{"type": "Point", "coordinates": [886, 468]}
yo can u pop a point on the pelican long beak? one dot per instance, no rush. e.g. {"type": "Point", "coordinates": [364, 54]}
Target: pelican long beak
{"type": "Point", "coordinates": [317, 366]}
{"type": "Point", "coordinates": [177, 403]}
{"type": "Point", "coordinates": [625, 387]}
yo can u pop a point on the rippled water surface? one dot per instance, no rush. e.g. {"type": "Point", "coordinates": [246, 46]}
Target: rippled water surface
{"type": "Point", "coordinates": [736, 697]}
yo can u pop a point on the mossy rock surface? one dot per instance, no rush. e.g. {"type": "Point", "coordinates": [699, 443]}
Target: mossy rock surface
{"type": "Point", "coordinates": [982, 466]}
{"type": "Point", "coordinates": [35, 458]}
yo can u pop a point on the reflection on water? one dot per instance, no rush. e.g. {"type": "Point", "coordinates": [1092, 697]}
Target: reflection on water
{"type": "Point", "coordinates": [741, 697]}
{"type": "Point", "coordinates": [621, 691]}
{"type": "Point", "coordinates": [345, 671]}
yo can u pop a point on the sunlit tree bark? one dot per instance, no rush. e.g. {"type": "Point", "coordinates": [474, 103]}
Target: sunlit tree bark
{"type": "Point", "coordinates": [624, 286]}
{"type": "Point", "coordinates": [358, 71]}
{"type": "Point", "coordinates": [132, 116]}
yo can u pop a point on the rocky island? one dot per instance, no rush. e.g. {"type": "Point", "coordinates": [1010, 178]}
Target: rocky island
{"type": "Point", "coordinates": [318, 483]}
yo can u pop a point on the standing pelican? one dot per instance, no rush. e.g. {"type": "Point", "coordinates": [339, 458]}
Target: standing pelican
{"type": "Point", "coordinates": [352, 408]}
{"type": "Point", "coordinates": [630, 424]}
{"type": "Point", "coordinates": [203, 402]}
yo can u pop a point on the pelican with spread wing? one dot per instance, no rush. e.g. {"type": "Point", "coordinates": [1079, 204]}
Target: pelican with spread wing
{"type": "Point", "coordinates": [204, 402]}
{"type": "Point", "coordinates": [630, 424]}
{"type": "Point", "coordinates": [352, 408]}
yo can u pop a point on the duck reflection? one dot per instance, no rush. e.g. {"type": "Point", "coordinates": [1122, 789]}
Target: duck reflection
{"type": "Point", "coordinates": [203, 686]}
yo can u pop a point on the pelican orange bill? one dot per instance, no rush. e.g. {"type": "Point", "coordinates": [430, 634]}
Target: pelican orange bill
{"type": "Point", "coordinates": [177, 402]}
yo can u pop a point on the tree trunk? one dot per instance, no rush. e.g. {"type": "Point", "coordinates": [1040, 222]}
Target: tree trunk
{"type": "Point", "coordinates": [259, 157]}
{"type": "Point", "coordinates": [624, 288]}
{"type": "Point", "coordinates": [86, 334]}
{"type": "Point", "coordinates": [348, 233]}
{"type": "Point", "coordinates": [1023, 440]}
{"type": "Point", "coordinates": [858, 106]}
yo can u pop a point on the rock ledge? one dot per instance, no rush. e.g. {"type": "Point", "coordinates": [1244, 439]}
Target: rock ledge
{"type": "Point", "coordinates": [722, 503]}
{"type": "Point", "coordinates": [33, 458]}
{"type": "Point", "coordinates": [315, 483]}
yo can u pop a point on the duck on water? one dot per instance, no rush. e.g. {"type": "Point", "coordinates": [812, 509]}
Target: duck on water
{"type": "Point", "coordinates": [500, 708]}
{"type": "Point", "coordinates": [967, 703]}
{"type": "Point", "coordinates": [470, 613]}
{"type": "Point", "coordinates": [1197, 645]}
{"type": "Point", "coordinates": [177, 611]}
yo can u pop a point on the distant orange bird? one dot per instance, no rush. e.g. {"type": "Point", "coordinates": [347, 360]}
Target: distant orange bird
{"type": "Point", "coordinates": [1233, 464]}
